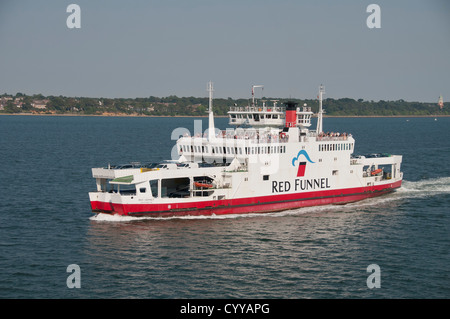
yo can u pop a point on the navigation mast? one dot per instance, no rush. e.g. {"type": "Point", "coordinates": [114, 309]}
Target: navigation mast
{"type": "Point", "coordinates": [319, 119]}
{"type": "Point", "coordinates": [253, 92]}
{"type": "Point", "coordinates": [211, 129]}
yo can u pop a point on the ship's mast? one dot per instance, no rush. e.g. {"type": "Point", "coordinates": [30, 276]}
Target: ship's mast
{"type": "Point", "coordinates": [211, 129]}
{"type": "Point", "coordinates": [253, 92]}
{"type": "Point", "coordinates": [319, 118]}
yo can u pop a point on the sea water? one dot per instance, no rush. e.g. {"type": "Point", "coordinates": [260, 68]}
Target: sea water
{"type": "Point", "coordinates": [46, 223]}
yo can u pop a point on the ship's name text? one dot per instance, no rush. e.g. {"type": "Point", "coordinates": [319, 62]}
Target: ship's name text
{"type": "Point", "coordinates": [300, 185]}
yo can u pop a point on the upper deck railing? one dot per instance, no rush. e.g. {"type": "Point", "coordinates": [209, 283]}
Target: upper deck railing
{"type": "Point", "coordinates": [264, 136]}
{"type": "Point", "coordinates": [332, 136]}
{"type": "Point", "coordinates": [253, 109]}
{"type": "Point", "coordinates": [265, 108]}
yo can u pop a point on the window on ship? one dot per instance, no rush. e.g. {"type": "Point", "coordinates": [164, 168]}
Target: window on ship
{"type": "Point", "coordinates": [202, 186]}
{"type": "Point", "coordinates": [129, 190]}
{"type": "Point", "coordinates": [154, 187]}
{"type": "Point", "coordinates": [175, 187]}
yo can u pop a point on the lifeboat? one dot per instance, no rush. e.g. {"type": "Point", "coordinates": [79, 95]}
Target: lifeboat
{"type": "Point", "coordinates": [202, 185]}
{"type": "Point", "coordinates": [376, 172]}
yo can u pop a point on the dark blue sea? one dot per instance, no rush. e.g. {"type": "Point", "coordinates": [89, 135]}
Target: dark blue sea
{"type": "Point", "coordinates": [323, 252]}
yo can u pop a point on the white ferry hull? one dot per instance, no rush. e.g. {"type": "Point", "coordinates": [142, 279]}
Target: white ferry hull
{"type": "Point", "coordinates": [261, 204]}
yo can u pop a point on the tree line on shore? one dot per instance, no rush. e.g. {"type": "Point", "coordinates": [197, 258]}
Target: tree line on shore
{"type": "Point", "coordinates": [198, 106]}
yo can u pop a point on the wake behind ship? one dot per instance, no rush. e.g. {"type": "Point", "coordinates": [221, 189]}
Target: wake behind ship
{"type": "Point", "coordinates": [271, 161]}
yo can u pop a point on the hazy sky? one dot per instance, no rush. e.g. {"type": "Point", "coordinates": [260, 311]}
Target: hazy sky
{"type": "Point", "coordinates": [174, 47]}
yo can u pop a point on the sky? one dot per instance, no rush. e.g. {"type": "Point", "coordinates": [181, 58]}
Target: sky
{"type": "Point", "coordinates": [137, 48]}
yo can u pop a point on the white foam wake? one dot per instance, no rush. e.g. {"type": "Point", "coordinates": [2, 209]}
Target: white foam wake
{"type": "Point", "coordinates": [425, 188]}
{"type": "Point", "coordinates": [118, 218]}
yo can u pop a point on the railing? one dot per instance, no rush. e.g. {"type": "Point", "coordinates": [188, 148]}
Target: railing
{"type": "Point", "coordinates": [333, 137]}
{"type": "Point", "coordinates": [276, 109]}
{"type": "Point", "coordinates": [256, 137]}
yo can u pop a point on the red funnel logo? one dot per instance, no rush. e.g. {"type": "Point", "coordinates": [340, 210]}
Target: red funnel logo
{"type": "Point", "coordinates": [301, 165]}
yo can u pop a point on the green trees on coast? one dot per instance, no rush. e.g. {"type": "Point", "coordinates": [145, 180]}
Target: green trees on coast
{"type": "Point", "coordinates": [195, 106]}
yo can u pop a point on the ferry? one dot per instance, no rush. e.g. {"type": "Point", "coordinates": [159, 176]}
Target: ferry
{"type": "Point", "coordinates": [271, 160]}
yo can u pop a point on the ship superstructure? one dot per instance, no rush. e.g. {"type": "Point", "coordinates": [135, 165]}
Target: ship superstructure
{"type": "Point", "coordinates": [270, 161]}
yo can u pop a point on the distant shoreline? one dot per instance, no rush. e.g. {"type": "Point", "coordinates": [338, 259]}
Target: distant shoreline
{"type": "Point", "coordinates": [205, 116]}
{"type": "Point", "coordinates": [104, 115]}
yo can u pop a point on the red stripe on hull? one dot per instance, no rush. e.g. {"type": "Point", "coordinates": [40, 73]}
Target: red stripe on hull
{"type": "Point", "coordinates": [261, 204]}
